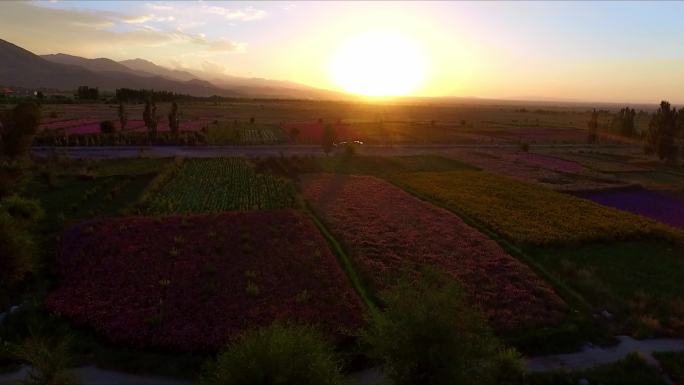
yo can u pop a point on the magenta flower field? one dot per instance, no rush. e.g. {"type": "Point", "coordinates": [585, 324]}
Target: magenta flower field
{"type": "Point", "coordinates": [192, 282]}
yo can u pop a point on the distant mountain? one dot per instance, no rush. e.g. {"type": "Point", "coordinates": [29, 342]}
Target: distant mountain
{"type": "Point", "coordinates": [147, 66]}
{"type": "Point", "coordinates": [94, 65]}
{"type": "Point", "coordinates": [22, 68]}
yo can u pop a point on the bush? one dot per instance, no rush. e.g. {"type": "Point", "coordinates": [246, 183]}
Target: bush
{"type": "Point", "coordinates": [428, 334]}
{"type": "Point", "coordinates": [107, 127]}
{"type": "Point", "coordinates": [12, 176]}
{"type": "Point", "coordinates": [19, 126]}
{"type": "Point", "coordinates": [48, 358]}
{"type": "Point", "coordinates": [274, 355]}
{"type": "Point", "coordinates": [17, 217]}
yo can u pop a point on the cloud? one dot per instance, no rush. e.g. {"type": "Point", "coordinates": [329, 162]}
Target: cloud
{"type": "Point", "coordinates": [247, 14]}
{"type": "Point", "coordinates": [87, 33]}
{"type": "Point", "coordinates": [136, 19]}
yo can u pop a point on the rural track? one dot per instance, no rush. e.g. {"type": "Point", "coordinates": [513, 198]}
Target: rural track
{"type": "Point", "coordinates": [271, 150]}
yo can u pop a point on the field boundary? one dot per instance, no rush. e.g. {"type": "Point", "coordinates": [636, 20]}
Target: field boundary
{"type": "Point", "coordinates": [579, 308]}
{"type": "Point", "coordinates": [344, 260]}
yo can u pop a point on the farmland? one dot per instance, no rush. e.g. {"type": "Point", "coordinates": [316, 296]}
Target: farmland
{"type": "Point", "coordinates": [214, 185]}
{"type": "Point", "coordinates": [383, 233]}
{"type": "Point", "coordinates": [191, 283]}
{"type": "Point", "coordinates": [163, 256]}
{"type": "Point", "coordinates": [526, 214]}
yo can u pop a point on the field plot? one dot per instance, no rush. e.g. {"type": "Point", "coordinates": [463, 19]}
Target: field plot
{"type": "Point", "coordinates": [554, 173]}
{"type": "Point", "coordinates": [389, 234]}
{"type": "Point", "coordinates": [222, 184]}
{"type": "Point", "coordinates": [192, 282]}
{"type": "Point", "coordinates": [663, 207]}
{"type": "Point", "coordinates": [528, 214]}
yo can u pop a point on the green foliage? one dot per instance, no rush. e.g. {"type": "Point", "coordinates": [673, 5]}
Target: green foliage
{"type": "Point", "coordinates": [428, 334]}
{"type": "Point", "coordinates": [673, 363]}
{"type": "Point", "coordinates": [592, 125]}
{"type": "Point", "coordinates": [107, 127]}
{"type": "Point", "coordinates": [18, 128]}
{"type": "Point", "coordinates": [221, 184]}
{"type": "Point", "coordinates": [174, 122]}
{"type": "Point", "coordinates": [150, 119]}
{"type": "Point", "coordinates": [123, 117]}
{"type": "Point", "coordinates": [157, 184]}
{"type": "Point", "coordinates": [48, 358]}
{"type": "Point", "coordinates": [12, 175]}
{"type": "Point", "coordinates": [17, 219]}
{"type": "Point", "coordinates": [328, 138]}
{"type": "Point", "coordinates": [662, 131]}
{"type": "Point", "coordinates": [623, 122]}
{"type": "Point", "coordinates": [276, 355]}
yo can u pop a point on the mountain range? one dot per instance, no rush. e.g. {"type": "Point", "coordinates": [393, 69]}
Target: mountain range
{"type": "Point", "coordinates": [22, 68]}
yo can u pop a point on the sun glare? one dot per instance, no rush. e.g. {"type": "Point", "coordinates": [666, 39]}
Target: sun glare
{"type": "Point", "coordinates": [379, 63]}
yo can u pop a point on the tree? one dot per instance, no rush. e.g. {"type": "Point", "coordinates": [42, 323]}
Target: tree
{"type": "Point", "coordinates": [328, 139]}
{"type": "Point", "coordinates": [592, 125]}
{"type": "Point", "coordinates": [294, 133]}
{"type": "Point", "coordinates": [623, 122]}
{"type": "Point", "coordinates": [662, 131]}
{"type": "Point", "coordinates": [174, 122]}
{"type": "Point", "coordinates": [150, 119]}
{"type": "Point", "coordinates": [107, 127]}
{"type": "Point", "coordinates": [428, 334]}
{"type": "Point", "coordinates": [123, 117]}
{"type": "Point", "coordinates": [18, 127]}
{"type": "Point", "coordinates": [276, 354]}
{"type": "Point", "coordinates": [87, 93]}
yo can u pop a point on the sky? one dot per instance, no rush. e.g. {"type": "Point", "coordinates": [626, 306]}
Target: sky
{"type": "Point", "coordinates": [581, 51]}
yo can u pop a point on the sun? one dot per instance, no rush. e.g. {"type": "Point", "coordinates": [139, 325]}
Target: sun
{"type": "Point", "coordinates": [378, 63]}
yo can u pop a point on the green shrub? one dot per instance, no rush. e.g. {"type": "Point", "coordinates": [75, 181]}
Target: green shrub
{"type": "Point", "coordinates": [17, 249]}
{"type": "Point", "coordinates": [428, 334]}
{"type": "Point", "coordinates": [48, 358]}
{"type": "Point", "coordinates": [276, 355]}
{"type": "Point", "coordinates": [12, 176]}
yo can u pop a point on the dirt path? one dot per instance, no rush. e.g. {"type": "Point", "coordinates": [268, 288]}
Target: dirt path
{"type": "Point", "coordinates": [593, 356]}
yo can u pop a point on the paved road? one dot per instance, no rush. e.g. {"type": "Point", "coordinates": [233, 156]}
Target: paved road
{"type": "Point", "coordinates": [269, 150]}
{"type": "Point", "coordinates": [593, 356]}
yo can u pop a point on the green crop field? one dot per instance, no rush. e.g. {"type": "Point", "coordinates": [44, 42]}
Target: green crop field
{"type": "Point", "coordinates": [214, 185]}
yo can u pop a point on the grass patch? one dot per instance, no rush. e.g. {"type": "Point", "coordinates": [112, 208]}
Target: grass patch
{"type": "Point", "coordinates": [673, 363]}
{"type": "Point", "coordinates": [638, 281]}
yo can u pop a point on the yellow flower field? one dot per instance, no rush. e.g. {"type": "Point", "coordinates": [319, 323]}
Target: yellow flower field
{"type": "Point", "coordinates": [527, 214]}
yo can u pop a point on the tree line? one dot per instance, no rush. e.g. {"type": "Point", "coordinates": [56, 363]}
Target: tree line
{"type": "Point", "coordinates": [664, 135]}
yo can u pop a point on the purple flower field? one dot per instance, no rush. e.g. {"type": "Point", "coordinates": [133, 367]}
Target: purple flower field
{"type": "Point", "coordinates": [664, 207]}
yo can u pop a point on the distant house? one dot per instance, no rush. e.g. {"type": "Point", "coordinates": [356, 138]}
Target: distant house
{"type": "Point", "coordinates": [7, 91]}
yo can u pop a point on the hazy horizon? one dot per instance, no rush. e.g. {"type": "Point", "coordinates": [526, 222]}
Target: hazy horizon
{"type": "Point", "coordinates": [601, 52]}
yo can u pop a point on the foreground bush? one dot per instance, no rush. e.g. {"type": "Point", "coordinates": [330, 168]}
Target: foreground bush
{"type": "Point", "coordinates": [429, 335]}
{"type": "Point", "coordinates": [48, 359]}
{"type": "Point", "coordinates": [17, 218]}
{"type": "Point", "coordinates": [276, 355]}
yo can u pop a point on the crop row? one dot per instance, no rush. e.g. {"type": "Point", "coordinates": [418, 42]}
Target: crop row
{"type": "Point", "coordinates": [193, 282]}
{"type": "Point", "coordinates": [222, 184]}
{"type": "Point", "coordinates": [391, 235]}
{"type": "Point", "coordinates": [527, 214]}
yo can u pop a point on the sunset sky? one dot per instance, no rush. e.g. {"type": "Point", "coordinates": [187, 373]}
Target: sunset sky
{"type": "Point", "coordinates": [594, 51]}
